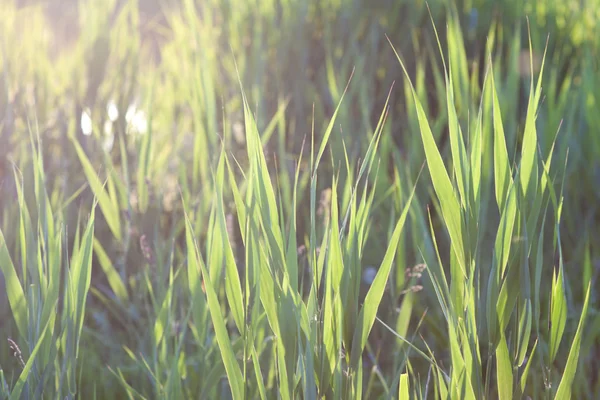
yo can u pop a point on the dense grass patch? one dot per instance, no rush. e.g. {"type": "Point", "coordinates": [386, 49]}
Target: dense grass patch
{"type": "Point", "coordinates": [299, 199]}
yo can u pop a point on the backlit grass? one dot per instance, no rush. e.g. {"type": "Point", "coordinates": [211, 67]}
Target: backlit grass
{"type": "Point", "coordinates": [291, 199]}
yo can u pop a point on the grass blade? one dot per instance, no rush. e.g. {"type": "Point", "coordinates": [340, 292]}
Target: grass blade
{"type": "Point", "coordinates": [566, 382]}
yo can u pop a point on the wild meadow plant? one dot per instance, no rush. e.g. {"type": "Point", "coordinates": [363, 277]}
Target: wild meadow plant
{"type": "Point", "coordinates": [161, 260]}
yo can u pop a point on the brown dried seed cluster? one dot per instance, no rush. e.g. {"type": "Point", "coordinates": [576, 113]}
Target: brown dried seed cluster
{"type": "Point", "coordinates": [413, 289]}
{"type": "Point", "coordinates": [16, 351]}
{"type": "Point", "coordinates": [301, 250]}
{"type": "Point", "coordinates": [416, 271]}
{"type": "Point", "coordinates": [146, 250]}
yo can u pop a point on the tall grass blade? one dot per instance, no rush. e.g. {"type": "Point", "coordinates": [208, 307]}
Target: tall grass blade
{"type": "Point", "coordinates": [234, 373]}
{"type": "Point", "coordinates": [368, 312]}
{"type": "Point", "coordinates": [504, 376]}
{"type": "Point", "coordinates": [404, 388]}
{"type": "Point", "coordinates": [14, 290]}
{"type": "Point", "coordinates": [565, 387]}
{"type": "Point", "coordinates": [23, 377]}
{"type": "Point", "coordinates": [107, 204]}
{"type": "Point", "coordinates": [451, 211]}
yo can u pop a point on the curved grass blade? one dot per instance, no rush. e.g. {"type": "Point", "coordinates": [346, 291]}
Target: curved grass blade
{"type": "Point", "coordinates": [403, 388]}
{"type": "Point", "coordinates": [368, 313]}
{"type": "Point", "coordinates": [558, 309]}
{"type": "Point", "coordinates": [504, 374]}
{"type": "Point", "coordinates": [112, 275]}
{"type": "Point", "coordinates": [566, 382]}
{"type": "Point", "coordinates": [14, 290]}
{"type": "Point", "coordinates": [18, 388]}
{"type": "Point", "coordinates": [107, 204]}
{"type": "Point", "coordinates": [451, 211]}
{"type": "Point", "coordinates": [234, 373]}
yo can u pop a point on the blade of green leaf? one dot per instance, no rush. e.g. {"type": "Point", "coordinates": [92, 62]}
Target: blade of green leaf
{"type": "Point", "coordinates": [504, 375]}
{"type": "Point", "coordinates": [368, 313]}
{"type": "Point", "coordinates": [566, 382]}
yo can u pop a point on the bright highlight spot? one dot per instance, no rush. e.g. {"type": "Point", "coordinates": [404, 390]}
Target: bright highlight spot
{"type": "Point", "coordinates": [139, 122]}
{"type": "Point", "coordinates": [136, 120]}
{"type": "Point", "coordinates": [86, 122]}
{"type": "Point", "coordinates": [112, 111]}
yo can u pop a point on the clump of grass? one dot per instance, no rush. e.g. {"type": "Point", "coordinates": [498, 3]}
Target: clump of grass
{"type": "Point", "coordinates": [219, 249]}
{"type": "Point", "coordinates": [507, 309]}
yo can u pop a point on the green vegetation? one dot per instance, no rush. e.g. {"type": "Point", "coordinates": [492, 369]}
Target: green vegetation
{"type": "Point", "coordinates": [300, 199]}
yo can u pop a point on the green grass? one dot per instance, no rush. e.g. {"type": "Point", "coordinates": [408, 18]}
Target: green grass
{"type": "Point", "coordinates": [291, 199]}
